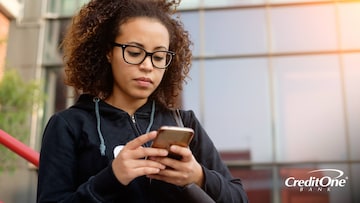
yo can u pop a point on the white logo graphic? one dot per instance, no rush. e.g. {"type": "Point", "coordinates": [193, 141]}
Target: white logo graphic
{"type": "Point", "coordinates": [312, 182]}
{"type": "Point", "coordinates": [117, 150]}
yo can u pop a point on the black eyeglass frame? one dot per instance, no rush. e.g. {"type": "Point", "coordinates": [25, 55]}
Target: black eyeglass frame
{"type": "Point", "coordinates": [123, 46]}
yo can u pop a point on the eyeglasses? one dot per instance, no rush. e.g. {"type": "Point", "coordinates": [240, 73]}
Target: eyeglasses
{"type": "Point", "coordinates": [136, 55]}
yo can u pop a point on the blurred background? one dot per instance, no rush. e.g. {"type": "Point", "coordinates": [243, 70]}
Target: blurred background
{"type": "Point", "coordinates": [274, 82]}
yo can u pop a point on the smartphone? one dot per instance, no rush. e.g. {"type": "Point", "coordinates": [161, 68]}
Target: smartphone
{"type": "Point", "coordinates": [173, 135]}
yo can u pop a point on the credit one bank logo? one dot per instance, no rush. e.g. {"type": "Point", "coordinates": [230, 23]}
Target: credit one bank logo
{"type": "Point", "coordinates": [317, 181]}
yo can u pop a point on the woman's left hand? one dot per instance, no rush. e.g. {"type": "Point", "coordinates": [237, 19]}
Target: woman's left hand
{"type": "Point", "coordinates": [179, 172]}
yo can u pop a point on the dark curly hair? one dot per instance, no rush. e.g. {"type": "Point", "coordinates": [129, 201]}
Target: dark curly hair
{"type": "Point", "coordinates": [90, 36]}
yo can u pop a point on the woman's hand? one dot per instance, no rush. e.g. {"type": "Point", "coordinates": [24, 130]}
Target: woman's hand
{"type": "Point", "coordinates": [179, 172]}
{"type": "Point", "coordinates": [130, 162]}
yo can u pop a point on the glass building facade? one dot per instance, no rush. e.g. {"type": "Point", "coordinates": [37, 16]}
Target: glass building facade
{"type": "Point", "coordinates": [274, 82]}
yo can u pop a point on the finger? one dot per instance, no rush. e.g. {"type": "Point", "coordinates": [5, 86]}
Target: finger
{"type": "Point", "coordinates": [173, 179]}
{"type": "Point", "coordinates": [165, 160]}
{"type": "Point", "coordinates": [156, 176]}
{"type": "Point", "coordinates": [146, 167]}
{"type": "Point", "coordinates": [147, 164]}
{"type": "Point", "coordinates": [139, 141]}
{"type": "Point", "coordinates": [126, 170]}
{"type": "Point", "coordinates": [171, 173]}
{"type": "Point", "coordinates": [142, 152]}
{"type": "Point", "coordinates": [146, 171]}
{"type": "Point", "coordinates": [183, 151]}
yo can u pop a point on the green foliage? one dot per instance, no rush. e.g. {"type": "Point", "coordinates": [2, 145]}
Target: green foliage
{"type": "Point", "coordinates": [16, 103]}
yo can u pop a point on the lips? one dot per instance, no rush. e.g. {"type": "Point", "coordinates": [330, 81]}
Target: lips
{"type": "Point", "coordinates": [144, 82]}
{"type": "Point", "coordinates": [143, 79]}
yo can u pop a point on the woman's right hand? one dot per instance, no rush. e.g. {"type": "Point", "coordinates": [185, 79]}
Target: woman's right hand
{"type": "Point", "coordinates": [130, 162]}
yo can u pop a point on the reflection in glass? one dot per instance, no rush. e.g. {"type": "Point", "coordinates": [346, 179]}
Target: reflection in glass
{"type": "Point", "coordinates": [54, 33]}
{"type": "Point", "coordinates": [191, 22]}
{"type": "Point", "coordinates": [235, 32]}
{"type": "Point", "coordinates": [303, 28]}
{"type": "Point", "coordinates": [349, 22]}
{"type": "Point", "coordinates": [217, 3]}
{"type": "Point", "coordinates": [64, 7]}
{"type": "Point", "coordinates": [258, 183]}
{"type": "Point", "coordinates": [351, 64]}
{"type": "Point", "coordinates": [244, 111]}
{"type": "Point", "coordinates": [309, 109]}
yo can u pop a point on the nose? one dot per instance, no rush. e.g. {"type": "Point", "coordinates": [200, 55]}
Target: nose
{"type": "Point", "coordinates": [147, 64]}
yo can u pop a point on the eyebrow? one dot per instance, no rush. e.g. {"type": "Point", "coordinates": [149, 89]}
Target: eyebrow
{"type": "Point", "coordinates": [142, 46]}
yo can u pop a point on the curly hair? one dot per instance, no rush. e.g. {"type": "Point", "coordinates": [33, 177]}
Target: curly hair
{"type": "Point", "coordinates": [90, 36]}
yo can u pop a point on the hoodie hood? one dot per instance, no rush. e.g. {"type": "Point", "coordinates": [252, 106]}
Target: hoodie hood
{"type": "Point", "coordinates": [86, 102]}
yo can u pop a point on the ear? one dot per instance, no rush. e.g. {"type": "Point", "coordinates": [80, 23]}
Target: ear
{"type": "Point", "coordinates": [109, 56]}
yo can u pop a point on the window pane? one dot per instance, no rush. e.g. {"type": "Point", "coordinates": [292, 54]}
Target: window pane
{"type": "Point", "coordinates": [309, 108]}
{"type": "Point", "coordinates": [352, 83]}
{"type": "Point", "coordinates": [191, 22]}
{"type": "Point", "coordinates": [82, 2]}
{"type": "Point", "coordinates": [258, 183]}
{"type": "Point", "coordinates": [211, 3]}
{"type": "Point", "coordinates": [188, 4]}
{"type": "Point", "coordinates": [236, 106]}
{"type": "Point", "coordinates": [68, 7]}
{"type": "Point", "coordinates": [51, 6]}
{"type": "Point", "coordinates": [294, 1]}
{"type": "Point", "coordinates": [191, 92]}
{"type": "Point", "coordinates": [303, 28]}
{"type": "Point", "coordinates": [54, 33]}
{"type": "Point", "coordinates": [64, 7]}
{"type": "Point", "coordinates": [349, 17]}
{"type": "Point", "coordinates": [235, 32]}
{"type": "Point", "coordinates": [55, 90]}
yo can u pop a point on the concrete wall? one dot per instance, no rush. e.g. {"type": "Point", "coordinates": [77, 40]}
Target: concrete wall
{"type": "Point", "coordinates": [23, 41]}
{"type": "Point", "coordinates": [18, 186]}
{"type": "Point", "coordinates": [4, 30]}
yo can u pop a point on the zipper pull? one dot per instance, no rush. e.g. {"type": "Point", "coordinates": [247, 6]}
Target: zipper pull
{"type": "Point", "coordinates": [133, 118]}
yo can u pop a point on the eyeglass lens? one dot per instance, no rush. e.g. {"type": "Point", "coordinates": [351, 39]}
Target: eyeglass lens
{"type": "Point", "coordinates": [136, 55]}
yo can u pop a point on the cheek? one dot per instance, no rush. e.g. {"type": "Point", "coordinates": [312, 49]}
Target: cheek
{"type": "Point", "coordinates": [116, 60]}
{"type": "Point", "coordinates": [159, 76]}
{"type": "Point", "coordinates": [118, 65]}
{"type": "Point", "coordinates": [119, 71]}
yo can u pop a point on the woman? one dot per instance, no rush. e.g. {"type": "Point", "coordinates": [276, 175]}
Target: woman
{"type": "Point", "coordinates": [129, 59]}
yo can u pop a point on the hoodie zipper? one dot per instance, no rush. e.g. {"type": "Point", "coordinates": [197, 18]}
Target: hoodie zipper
{"type": "Point", "coordinates": [133, 119]}
{"type": "Point", "coordinates": [138, 131]}
{"type": "Point", "coordinates": [144, 145]}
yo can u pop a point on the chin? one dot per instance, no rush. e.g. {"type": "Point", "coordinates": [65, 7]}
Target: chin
{"type": "Point", "coordinates": [141, 96]}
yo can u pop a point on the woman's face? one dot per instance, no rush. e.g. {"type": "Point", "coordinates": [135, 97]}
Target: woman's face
{"type": "Point", "coordinates": [138, 82]}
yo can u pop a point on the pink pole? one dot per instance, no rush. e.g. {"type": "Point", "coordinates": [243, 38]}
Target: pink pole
{"type": "Point", "coordinates": [19, 148]}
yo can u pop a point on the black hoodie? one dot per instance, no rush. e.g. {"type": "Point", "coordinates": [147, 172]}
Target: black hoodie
{"type": "Point", "coordinates": [73, 169]}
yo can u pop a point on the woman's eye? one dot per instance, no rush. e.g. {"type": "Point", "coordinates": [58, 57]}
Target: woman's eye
{"type": "Point", "coordinates": [134, 53]}
{"type": "Point", "coordinates": [158, 58]}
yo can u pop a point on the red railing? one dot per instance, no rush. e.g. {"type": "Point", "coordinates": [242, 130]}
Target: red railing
{"type": "Point", "coordinates": [19, 148]}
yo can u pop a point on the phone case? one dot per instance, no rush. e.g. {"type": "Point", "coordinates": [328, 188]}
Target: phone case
{"type": "Point", "coordinates": [173, 135]}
